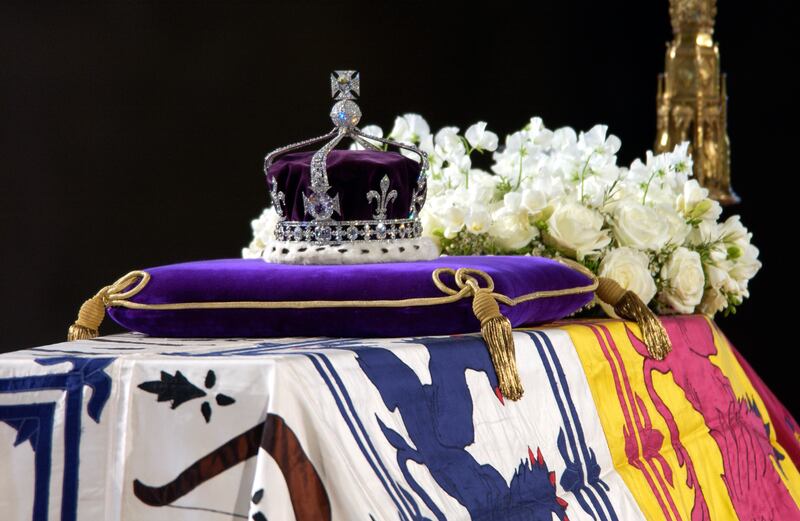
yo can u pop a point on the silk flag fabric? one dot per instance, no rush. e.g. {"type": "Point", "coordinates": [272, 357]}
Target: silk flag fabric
{"type": "Point", "coordinates": [132, 427]}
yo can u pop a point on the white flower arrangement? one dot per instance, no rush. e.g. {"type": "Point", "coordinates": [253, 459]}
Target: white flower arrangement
{"type": "Point", "coordinates": [554, 193]}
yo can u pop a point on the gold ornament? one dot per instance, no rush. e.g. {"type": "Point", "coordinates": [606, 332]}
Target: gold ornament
{"type": "Point", "coordinates": [692, 98]}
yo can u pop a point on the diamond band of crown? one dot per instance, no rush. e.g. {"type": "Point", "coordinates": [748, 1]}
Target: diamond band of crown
{"type": "Point", "coordinates": [338, 232]}
{"type": "Point", "coordinates": [321, 201]}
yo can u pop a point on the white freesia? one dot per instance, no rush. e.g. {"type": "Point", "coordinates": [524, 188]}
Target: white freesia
{"type": "Point", "coordinates": [478, 220]}
{"type": "Point", "coordinates": [481, 139]}
{"type": "Point", "coordinates": [630, 268]}
{"type": "Point", "coordinates": [577, 230]}
{"type": "Point", "coordinates": [694, 204]}
{"type": "Point", "coordinates": [640, 226]}
{"type": "Point", "coordinates": [684, 280]}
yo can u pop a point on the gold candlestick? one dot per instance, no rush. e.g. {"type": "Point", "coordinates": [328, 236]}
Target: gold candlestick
{"type": "Point", "coordinates": [692, 98]}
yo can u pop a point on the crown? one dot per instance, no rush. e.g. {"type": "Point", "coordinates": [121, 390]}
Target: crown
{"type": "Point", "coordinates": [330, 198]}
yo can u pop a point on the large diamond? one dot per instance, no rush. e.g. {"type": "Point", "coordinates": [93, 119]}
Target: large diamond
{"type": "Point", "coordinates": [323, 233]}
{"type": "Point", "coordinates": [297, 233]}
{"type": "Point", "coordinates": [352, 233]}
{"type": "Point", "coordinates": [321, 205]}
{"type": "Point", "coordinates": [380, 231]}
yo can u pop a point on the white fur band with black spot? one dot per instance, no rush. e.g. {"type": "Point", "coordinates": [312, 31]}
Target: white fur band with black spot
{"type": "Point", "coordinates": [356, 252]}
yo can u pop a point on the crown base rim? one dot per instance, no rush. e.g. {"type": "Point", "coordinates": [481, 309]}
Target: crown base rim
{"type": "Point", "coordinates": [356, 252]}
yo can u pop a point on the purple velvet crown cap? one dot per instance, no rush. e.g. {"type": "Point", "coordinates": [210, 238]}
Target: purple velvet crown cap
{"type": "Point", "coordinates": [351, 174]}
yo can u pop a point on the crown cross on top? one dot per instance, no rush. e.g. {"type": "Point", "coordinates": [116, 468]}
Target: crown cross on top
{"type": "Point", "coordinates": [345, 85]}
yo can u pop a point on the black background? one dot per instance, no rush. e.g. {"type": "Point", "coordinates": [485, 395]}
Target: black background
{"type": "Point", "coordinates": [132, 134]}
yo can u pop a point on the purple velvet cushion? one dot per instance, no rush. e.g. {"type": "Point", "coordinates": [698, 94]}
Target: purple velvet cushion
{"type": "Point", "coordinates": [254, 280]}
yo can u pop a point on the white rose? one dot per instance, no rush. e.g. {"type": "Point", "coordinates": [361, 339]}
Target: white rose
{"type": "Point", "coordinates": [630, 268]}
{"type": "Point", "coordinates": [640, 226]}
{"type": "Point", "coordinates": [511, 230]}
{"type": "Point", "coordinates": [577, 230]}
{"type": "Point", "coordinates": [678, 229]}
{"type": "Point", "coordinates": [685, 280]}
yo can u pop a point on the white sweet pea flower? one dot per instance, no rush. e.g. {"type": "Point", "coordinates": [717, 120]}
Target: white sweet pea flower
{"type": "Point", "coordinates": [482, 186]}
{"type": "Point", "coordinates": [538, 134]}
{"type": "Point", "coordinates": [448, 145]}
{"type": "Point", "coordinates": [481, 139]}
{"type": "Point", "coordinates": [576, 230]}
{"type": "Point", "coordinates": [684, 281]}
{"type": "Point", "coordinates": [639, 226]}
{"type": "Point", "coordinates": [564, 138]}
{"type": "Point", "coordinates": [630, 269]}
{"type": "Point", "coordinates": [410, 128]}
{"type": "Point", "coordinates": [596, 141]}
{"type": "Point", "coordinates": [456, 170]}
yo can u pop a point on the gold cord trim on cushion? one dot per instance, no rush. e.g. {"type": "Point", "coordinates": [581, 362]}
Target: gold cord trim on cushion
{"type": "Point", "coordinates": [629, 306]}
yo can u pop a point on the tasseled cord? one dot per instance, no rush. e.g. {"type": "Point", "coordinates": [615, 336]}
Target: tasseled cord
{"type": "Point", "coordinates": [629, 306]}
{"type": "Point", "coordinates": [497, 333]}
{"type": "Point", "coordinates": [93, 311]}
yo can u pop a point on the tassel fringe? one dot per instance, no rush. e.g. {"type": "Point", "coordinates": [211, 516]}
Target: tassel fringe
{"type": "Point", "coordinates": [629, 306]}
{"type": "Point", "coordinates": [496, 332]}
{"type": "Point", "coordinates": [90, 317]}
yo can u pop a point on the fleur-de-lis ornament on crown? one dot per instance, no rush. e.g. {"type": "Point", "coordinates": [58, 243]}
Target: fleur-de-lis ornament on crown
{"type": "Point", "coordinates": [322, 203]}
{"type": "Point", "coordinates": [383, 199]}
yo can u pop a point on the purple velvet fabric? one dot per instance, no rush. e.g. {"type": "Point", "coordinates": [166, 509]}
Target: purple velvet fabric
{"type": "Point", "coordinates": [351, 174]}
{"type": "Point", "coordinates": [256, 280]}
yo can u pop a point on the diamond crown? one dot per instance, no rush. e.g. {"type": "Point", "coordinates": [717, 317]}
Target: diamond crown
{"type": "Point", "coordinates": [321, 202]}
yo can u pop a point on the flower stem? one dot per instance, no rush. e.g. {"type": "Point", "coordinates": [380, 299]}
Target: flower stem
{"type": "Point", "coordinates": [647, 186]}
{"type": "Point", "coordinates": [583, 173]}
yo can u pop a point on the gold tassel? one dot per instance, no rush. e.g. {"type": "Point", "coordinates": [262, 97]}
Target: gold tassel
{"type": "Point", "coordinates": [629, 306]}
{"type": "Point", "coordinates": [89, 319]}
{"type": "Point", "coordinates": [496, 332]}
{"type": "Point", "coordinates": [92, 312]}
